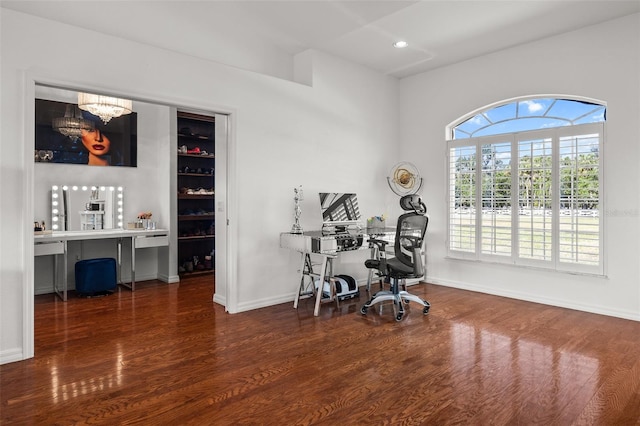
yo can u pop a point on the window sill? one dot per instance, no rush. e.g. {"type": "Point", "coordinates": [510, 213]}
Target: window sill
{"type": "Point", "coordinates": [528, 267]}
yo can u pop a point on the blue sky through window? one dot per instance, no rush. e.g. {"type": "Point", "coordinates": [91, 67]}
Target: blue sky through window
{"type": "Point", "coordinates": [531, 114]}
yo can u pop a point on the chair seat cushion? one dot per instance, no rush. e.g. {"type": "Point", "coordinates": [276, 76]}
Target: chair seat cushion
{"type": "Point", "coordinates": [395, 268]}
{"type": "Point", "coordinates": [398, 269]}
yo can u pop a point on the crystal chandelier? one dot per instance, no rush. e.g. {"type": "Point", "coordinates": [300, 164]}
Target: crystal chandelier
{"type": "Point", "coordinates": [105, 107]}
{"type": "Point", "coordinates": [72, 124]}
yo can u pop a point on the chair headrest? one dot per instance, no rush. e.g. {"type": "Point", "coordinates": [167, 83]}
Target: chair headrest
{"type": "Point", "coordinates": [413, 202]}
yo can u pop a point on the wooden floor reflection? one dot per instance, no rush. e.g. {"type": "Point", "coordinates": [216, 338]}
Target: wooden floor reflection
{"type": "Point", "coordinates": [167, 354]}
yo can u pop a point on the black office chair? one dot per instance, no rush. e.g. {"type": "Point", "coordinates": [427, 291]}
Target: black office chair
{"type": "Point", "coordinates": [407, 262]}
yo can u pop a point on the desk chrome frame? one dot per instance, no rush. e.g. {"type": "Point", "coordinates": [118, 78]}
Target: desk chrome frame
{"type": "Point", "coordinates": [302, 244]}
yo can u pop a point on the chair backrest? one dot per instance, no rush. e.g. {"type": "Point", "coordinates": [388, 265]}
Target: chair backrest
{"type": "Point", "coordinates": [413, 202]}
{"type": "Point", "coordinates": [410, 232]}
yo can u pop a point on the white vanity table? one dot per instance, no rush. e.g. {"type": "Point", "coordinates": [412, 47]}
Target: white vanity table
{"type": "Point", "coordinates": [55, 244]}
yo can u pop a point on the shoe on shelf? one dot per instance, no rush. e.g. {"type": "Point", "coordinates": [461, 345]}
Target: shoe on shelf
{"type": "Point", "coordinates": [195, 150]}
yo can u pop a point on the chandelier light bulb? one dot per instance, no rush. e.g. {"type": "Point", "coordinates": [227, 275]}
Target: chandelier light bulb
{"type": "Point", "coordinates": [105, 107]}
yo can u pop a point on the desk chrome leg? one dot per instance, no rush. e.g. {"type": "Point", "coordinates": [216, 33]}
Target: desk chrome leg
{"type": "Point", "coordinates": [119, 254]}
{"type": "Point", "coordinates": [133, 263]}
{"type": "Point", "coordinates": [130, 286]}
{"type": "Point", "coordinates": [62, 293]}
{"type": "Point", "coordinates": [303, 264]}
{"type": "Point", "coordinates": [64, 274]}
{"type": "Point", "coordinates": [56, 275]}
{"type": "Point", "coordinates": [374, 253]}
{"type": "Point", "coordinates": [323, 274]}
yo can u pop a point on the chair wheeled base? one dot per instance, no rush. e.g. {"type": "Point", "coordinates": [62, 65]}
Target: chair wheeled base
{"type": "Point", "coordinates": [399, 298]}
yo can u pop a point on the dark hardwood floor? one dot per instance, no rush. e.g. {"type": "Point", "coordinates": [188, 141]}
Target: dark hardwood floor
{"type": "Point", "coordinates": [167, 355]}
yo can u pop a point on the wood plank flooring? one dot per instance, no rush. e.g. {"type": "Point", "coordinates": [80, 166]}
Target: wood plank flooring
{"type": "Point", "coordinates": [167, 355]}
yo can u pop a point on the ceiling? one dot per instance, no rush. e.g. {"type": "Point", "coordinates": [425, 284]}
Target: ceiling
{"type": "Point", "coordinates": [269, 32]}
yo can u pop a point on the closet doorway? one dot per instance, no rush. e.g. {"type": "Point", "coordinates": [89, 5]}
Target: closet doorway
{"type": "Point", "coordinates": [164, 140]}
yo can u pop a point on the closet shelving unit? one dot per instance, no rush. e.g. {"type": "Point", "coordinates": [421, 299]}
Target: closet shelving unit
{"type": "Point", "coordinates": [196, 193]}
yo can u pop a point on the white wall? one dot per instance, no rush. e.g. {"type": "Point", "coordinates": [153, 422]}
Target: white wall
{"type": "Point", "coordinates": [601, 62]}
{"type": "Point", "coordinates": [340, 134]}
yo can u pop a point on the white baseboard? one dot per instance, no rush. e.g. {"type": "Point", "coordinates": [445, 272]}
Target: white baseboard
{"type": "Point", "coordinates": [600, 310]}
{"type": "Point", "coordinates": [170, 279]}
{"type": "Point", "coordinates": [263, 303]}
{"type": "Point", "coordinates": [219, 299]}
{"type": "Point", "coordinates": [11, 355]}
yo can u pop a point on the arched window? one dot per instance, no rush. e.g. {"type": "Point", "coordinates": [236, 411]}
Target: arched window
{"type": "Point", "coordinates": [525, 183]}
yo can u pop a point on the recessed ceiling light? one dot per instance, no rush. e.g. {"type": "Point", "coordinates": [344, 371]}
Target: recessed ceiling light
{"type": "Point", "coordinates": [400, 44]}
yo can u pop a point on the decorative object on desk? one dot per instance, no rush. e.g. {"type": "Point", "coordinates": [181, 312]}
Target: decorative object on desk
{"type": "Point", "coordinates": [376, 223]}
{"type": "Point", "coordinates": [144, 221]}
{"type": "Point", "coordinates": [405, 179]}
{"type": "Point", "coordinates": [298, 196]}
{"type": "Point", "coordinates": [40, 229]}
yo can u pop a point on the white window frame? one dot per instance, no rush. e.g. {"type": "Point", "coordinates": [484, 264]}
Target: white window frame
{"type": "Point", "coordinates": [555, 134]}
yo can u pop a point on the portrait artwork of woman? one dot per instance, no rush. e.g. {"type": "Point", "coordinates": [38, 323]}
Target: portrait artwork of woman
{"type": "Point", "coordinates": [98, 144]}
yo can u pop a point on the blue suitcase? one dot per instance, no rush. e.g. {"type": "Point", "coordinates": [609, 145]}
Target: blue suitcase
{"type": "Point", "coordinates": [96, 277]}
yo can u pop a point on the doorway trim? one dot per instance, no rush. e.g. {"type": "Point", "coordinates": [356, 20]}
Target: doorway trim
{"type": "Point", "coordinates": [30, 81]}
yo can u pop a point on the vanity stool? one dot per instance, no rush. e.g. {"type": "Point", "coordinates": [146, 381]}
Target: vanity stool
{"type": "Point", "coordinates": [96, 277]}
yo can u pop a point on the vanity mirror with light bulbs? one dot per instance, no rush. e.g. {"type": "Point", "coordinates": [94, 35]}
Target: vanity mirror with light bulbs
{"type": "Point", "coordinates": [86, 208]}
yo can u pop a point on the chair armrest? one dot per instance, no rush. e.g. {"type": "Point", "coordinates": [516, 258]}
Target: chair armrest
{"type": "Point", "coordinates": [418, 266]}
{"type": "Point", "coordinates": [382, 244]}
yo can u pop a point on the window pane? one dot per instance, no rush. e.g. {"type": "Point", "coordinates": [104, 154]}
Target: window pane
{"type": "Point", "coordinates": [496, 199]}
{"type": "Point", "coordinates": [459, 134]}
{"type": "Point", "coordinates": [579, 199]}
{"type": "Point", "coordinates": [462, 190]}
{"type": "Point", "coordinates": [596, 116]}
{"type": "Point", "coordinates": [473, 124]}
{"type": "Point", "coordinates": [573, 110]}
{"type": "Point", "coordinates": [533, 107]}
{"type": "Point", "coordinates": [534, 199]}
{"type": "Point", "coordinates": [502, 113]}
